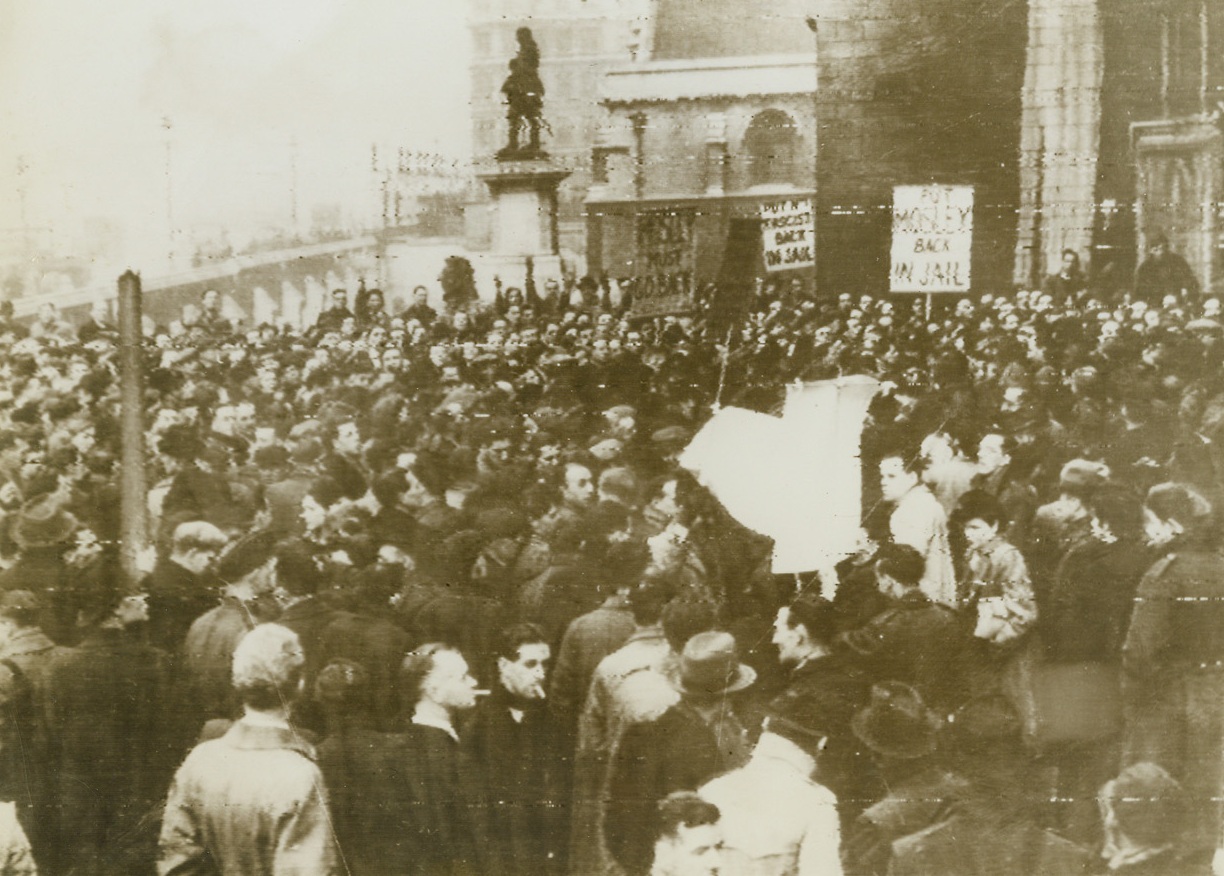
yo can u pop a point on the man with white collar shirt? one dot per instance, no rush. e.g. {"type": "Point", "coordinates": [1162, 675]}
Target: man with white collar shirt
{"type": "Point", "coordinates": [512, 741]}
{"type": "Point", "coordinates": [441, 788]}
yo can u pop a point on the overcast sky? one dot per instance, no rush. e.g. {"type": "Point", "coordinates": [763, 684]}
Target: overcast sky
{"type": "Point", "coordinates": [85, 88]}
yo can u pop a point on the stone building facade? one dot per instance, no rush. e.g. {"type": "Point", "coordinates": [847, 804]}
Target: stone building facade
{"type": "Point", "coordinates": [1087, 125]}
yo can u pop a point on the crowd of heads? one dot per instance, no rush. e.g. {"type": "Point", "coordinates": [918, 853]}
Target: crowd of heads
{"type": "Point", "coordinates": [521, 456]}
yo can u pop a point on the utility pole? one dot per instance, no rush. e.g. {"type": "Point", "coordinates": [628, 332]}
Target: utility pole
{"type": "Point", "coordinates": [814, 27]}
{"type": "Point", "coordinates": [23, 169]}
{"type": "Point", "coordinates": [133, 522]}
{"type": "Point", "coordinates": [293, 184]}
{"type": "Point", "coordinates": [168, 127]}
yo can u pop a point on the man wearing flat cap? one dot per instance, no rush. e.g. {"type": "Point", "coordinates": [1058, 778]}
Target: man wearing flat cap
{"type": "Point", "coordinates": [698, 738]}
{"type": "Point", "coordinates": [107, 700]}
{"type": "Point", "coordinates": [1173, 656]}
{"type": "Point", "coordinates": [902, 735]}
{"type": "Point", "coordinates": [993, 825]}
{"type": "Point", "coordinates": [44, 530]}
{"type": "Point", "coordinates": [196, 491]}
{"type": "Point", "coordinates": [1063, 523]}
{"type": "Point", "coordinates": [24, 661]}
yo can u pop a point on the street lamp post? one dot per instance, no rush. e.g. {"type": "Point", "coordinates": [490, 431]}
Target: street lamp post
{"type": "Point", "coordinates": [814, 27]}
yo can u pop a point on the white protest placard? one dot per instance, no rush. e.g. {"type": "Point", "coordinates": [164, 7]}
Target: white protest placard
{"type": "Point", "coordinates": [932, 239]}
{"type": "Point", "coordinates": [794, 478]}
{"type": "Point", "coordinates": [788, 231]}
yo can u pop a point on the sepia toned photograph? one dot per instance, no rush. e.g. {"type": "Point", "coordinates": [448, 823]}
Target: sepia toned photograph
{"type": "Point", "coordinates": [612, 438]}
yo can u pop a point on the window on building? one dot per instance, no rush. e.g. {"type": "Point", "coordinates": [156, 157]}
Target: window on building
{"type": "Point", "coordinates": [771, 146]}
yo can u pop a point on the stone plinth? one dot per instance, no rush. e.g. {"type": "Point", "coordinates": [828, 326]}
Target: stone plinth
{"type": "Point", "coordinates": [525, 219]}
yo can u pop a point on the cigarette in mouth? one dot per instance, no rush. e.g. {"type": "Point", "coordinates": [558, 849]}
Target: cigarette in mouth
{"type": "Point", "coordinates": [538, 691]}
{"type": "Point", "coordinates": [482, 693]}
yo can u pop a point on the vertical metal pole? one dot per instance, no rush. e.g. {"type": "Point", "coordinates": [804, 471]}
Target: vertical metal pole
{"type": "Point", "coordinates": [171, 243]}
{"type": "Point", "coordinates": [814, 27]}
{"type": "Point", "coordinates": [1204, 57]}
{"type": "Point", "coordinates": [133, 522]}
{"type": "Point", "coordinates": [1165, 65]}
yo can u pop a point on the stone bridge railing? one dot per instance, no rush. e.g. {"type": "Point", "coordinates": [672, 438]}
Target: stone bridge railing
{"type": "Point", "coordinates": [282, 286]}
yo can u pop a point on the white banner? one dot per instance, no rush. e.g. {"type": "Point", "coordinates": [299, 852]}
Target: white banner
{"type": "Point", "coordinates": [788, 231]}
{"type": "Point", "coordinates": [794, 478]}
{"type": "Point", "coordinates": [932, 238]}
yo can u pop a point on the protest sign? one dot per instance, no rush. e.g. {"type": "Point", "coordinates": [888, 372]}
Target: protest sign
{"type": "Point", "coordinates": [788, 231]}
{"type": "Point", "coordinates": [932, 238]}
{"type": "Point", "coordinates": [664, 269]}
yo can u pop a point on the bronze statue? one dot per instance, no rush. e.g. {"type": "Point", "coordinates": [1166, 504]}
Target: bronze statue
{"type": "Point", "coordinates": [524, 98]}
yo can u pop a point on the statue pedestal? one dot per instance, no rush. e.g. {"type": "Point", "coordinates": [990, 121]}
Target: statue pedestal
{"type": "Point", "coordinates": [524, 214]}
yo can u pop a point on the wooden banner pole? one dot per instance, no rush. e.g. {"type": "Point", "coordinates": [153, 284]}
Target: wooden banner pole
{"type": "Point", "coordinates": [133, 519]}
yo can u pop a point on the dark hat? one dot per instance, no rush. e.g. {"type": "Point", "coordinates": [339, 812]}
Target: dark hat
{"type": "Point", "coordinates": [1083, 474]}
{"type": "Point", "coordinates": [100, 588]}
{"type": "Point", "coordinates": [43, 522]}
{"type": "Point", "coordinates": [985, 723]}
{"type": "Point", "coordinates": [1145, 781]}
{"type": "Point", "coordinates": [1149, 804]}
{"type": "Point", "coordinates": [326, 491]}
{"type": "Point", "coordinates": [247, 555]}
{"type": "Point", "coordinates": [342, 683]}
{"type": "Point", "coordinates": [501, 522]}
{"type": "Point", "coordinates": [897, 723]}
{"type": "Point", "coordinates": [272, 456]}
{"type": "Point", "coordinates": [710, 666]}
{"type": "Point", "coordinates": [181, 442]}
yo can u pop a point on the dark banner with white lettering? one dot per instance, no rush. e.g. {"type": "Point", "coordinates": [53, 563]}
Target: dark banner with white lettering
{"type": "Point", "coordinates": [666, 257]}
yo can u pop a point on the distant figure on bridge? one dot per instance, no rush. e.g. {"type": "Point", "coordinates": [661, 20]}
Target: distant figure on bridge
{"type": "Point", "coordinates": [1164, 273]}
{"type": "Point", "coordinates": [212, 323]}
{"type": "Point", "coordinates": [371, 310]}
{"type": "Point", "coordinates": [420, 309]}
{"type": "Point", "coordinates": [524, 97]}
{"type": "Point", "coordinates": [50, 327]}
{"type": "Point", "coordinates": [98, 326]}
{"type": "Point", "coordinates": [332, 319]}
{"type": "Point", "coordinates": [1070, 279]}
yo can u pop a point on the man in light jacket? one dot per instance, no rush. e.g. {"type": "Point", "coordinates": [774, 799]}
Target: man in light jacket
{"type": "Point", "coordinates": [253, 802]}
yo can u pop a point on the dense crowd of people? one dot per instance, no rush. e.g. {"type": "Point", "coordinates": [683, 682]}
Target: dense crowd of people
{"type": "Point", "coordinates": [431, 593]}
